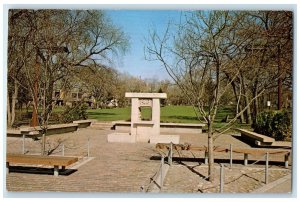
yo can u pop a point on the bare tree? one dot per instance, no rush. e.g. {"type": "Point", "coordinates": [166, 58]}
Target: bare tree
{"type": "Point", "coordinates": [54, 42]}
{"type": "Point", "coordinates": [99, 82]}
{"type": "Point", "coordinates": [204, 57]}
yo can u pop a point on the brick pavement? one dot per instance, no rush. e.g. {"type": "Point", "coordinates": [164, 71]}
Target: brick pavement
{"type": "Point", "coordinates": [189, 177]}
{"type": "Point", "coordinates": [119, 167]}
{"type": "Point", "coordinates": [116, 167]}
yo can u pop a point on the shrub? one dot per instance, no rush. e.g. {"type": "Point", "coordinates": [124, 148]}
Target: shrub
{"type": "Point", "coordinates": [275, 124]}
{"type": "Point", "coordinates": [77, 112]}
{"type": "Point", "coordinates": [264, 123]}
{"type": "Point", "coordinates": [281, 126]}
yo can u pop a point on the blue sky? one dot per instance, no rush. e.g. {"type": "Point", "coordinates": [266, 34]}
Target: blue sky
{"type": "Point", "coordinates": [136, 24]}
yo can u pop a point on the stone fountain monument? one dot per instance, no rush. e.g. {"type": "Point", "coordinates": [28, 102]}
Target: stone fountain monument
{"type": "Point", "coordinates": [142, 130]}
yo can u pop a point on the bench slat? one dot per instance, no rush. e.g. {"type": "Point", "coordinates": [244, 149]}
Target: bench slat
{"type": "Point", "coordinates": [44, 160]}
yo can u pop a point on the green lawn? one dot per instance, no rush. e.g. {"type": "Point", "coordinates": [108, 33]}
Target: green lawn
{"type": "Point", "coordinates": [113, 114]}
{"type": "Point", "coordinates": [174, 114]}
{"type": "Point", "coordinates": [169, 114]}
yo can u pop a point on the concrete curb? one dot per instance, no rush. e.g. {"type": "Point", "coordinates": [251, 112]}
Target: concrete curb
{"type": "Point", "coordinates": [273, 184]}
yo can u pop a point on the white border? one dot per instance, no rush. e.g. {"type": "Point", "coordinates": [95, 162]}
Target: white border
{"type": "Point", "coordinates": [148, 4]}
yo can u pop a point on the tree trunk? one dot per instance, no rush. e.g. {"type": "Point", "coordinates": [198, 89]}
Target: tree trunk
{"type": "Point", "coordinates": [13, 102]}
{"type": "Point", "coordinates": [248, 111]}
{"type": "Point", "coordinates": [9, 124]}
{"type": "Point", "coordinates": [255, 106]}
{"type": "Point", "coordinates": [211, 174]}
{"type": "Point", "coordinates": [238, 103]}
{"type": "Point", "coordinates": [43, 144]}
{"type": "Point", "coordinates": [279, 96]}
{"type": "Point", "coordinates": [242, 118]}
{"type": "Point", "coordinates": [246, 102]}
{"type": "Point", "coordinates": [11, 106]}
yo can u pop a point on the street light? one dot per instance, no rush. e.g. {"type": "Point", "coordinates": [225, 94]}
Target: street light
{"type": "Point", "coordinates": [269, 104]}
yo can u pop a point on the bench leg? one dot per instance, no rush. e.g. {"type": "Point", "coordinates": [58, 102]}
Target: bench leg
{"type": "Point", "coordinates": [170, 155]}
{"type": "Point", "coordinates": [56, 170]}
{"type": "Point", "coordinates": [7, 168]}
{"type": "Point", "coordinates": [245, 159]}
{"type": "Point", "coordinates": [286, 161]}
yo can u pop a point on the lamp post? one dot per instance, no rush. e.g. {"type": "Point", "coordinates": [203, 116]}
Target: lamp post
{"type": "Point", "coordinates": [269, 104]}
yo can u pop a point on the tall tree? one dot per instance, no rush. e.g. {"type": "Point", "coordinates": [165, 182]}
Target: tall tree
{"type": "Point", "coordinates": [52, 43]}
{"type": "Point", "coordinates": [204, 57]}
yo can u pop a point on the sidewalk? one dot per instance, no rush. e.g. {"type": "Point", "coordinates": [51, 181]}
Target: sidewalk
{"type": "Point", "coordinates": [282, 185]}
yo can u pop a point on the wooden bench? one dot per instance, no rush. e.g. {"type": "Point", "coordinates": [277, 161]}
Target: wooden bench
{"type": "Point", "coordinates": [246, 151]}
{"type": "Point", "coordinates": [55, 161]}
{"type": "Point", "coordinates": [257, 139]}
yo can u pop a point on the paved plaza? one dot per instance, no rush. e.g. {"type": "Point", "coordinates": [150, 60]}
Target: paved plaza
{"type": "Point", "coordinates": [126, 167]}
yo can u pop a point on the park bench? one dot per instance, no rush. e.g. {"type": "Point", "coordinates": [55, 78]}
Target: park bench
{"type": "Point", "coordinates": [55, 161]}
{"type": "Point", "coordinates": [246, 151]}
{"type": "Point", "coordinates": [257, 139]}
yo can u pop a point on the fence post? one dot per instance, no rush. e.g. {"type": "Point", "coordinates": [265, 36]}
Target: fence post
{"type": "Point", "coordinates": [245, 159]}
{"type": "Point", "coordinates": [206, 157]}
{"type": "Point", "coordinates": [43, 143]}
{"type": "Point", "coordinates": [161, 171]}
{"type": "Point", "coordinates": [221, 178]}
{"type": "Point", "coordinates": [267, 165]}
{"type": "Point", "coordinates": [230, 155]}
{"type": "Point", "coordinates": [23, 149]}
{"type": "Point", "coordinates": [88, 147]}
{"type": "Point", "coordinates": [63, 149]}
{"type": "Point", "coordinates": [170, 154]}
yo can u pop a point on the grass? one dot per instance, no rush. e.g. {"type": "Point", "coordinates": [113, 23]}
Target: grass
{"type": "Point", "coordinates": [175, 114]}
{"type": "Point", "coordinates": [169, 114]}
{"type": "Point", "coordinates": [113, 114]}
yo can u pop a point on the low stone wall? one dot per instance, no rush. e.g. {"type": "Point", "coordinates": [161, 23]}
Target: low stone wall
{"type": "Point", "coordinates": [13, 133]}
{"type": "Point", "coordinates": [121, 137]}
{"type": "Point", "coordinates": [181, 128]}
{"type": "Point", "coordinates": [164, 139]}
{"type": "Point", "coordinates": [52, 129]}
{"type": "Point", "coordinates": [83, 123]}
{"type": "Point", "coordinates": [172, 128]}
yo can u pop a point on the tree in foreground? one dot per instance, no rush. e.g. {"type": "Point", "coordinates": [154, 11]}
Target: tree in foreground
{"type": "Point", "coordinates": [204, 56]}
{"type": "Point", "coordinates": [46, 46]}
